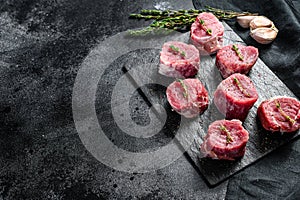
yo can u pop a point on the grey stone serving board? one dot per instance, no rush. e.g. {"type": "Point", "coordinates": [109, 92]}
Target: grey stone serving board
{"type": "Point", "coordinates": [261, 142]}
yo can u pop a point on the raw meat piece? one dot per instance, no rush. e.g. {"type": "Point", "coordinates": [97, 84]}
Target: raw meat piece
{"type": "Point", "coordinates": [188, 97]}
{"type": "Point", "coordinates": [179, 60]}
{"type": "Point", "coordinates": [235, 96]}
{"type": "Point", "coordinates": [225, 139]}
{"type": "Point", "coordinates": [280, 114]}
{"type": "Point", "coordinates": [236, 58]}
{"type": "Point", "coordinates": [207, 33]}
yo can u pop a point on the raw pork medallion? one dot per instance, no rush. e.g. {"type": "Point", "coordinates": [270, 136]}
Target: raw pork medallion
{"type": "Point", "coordinates": [188, 97]}
{"type": "Point", "coordinates": [207, 33]}
{"type": "Point", "coordinates": [179, 60]}
{"type": "Point", "coordinates": [280, 114]}
{"type": "Point", "coordinates": [235, 96]}
{"type": "Point", "coordinates": [225, 139]}
{"type": "Point", "coordinates": [236, 58]}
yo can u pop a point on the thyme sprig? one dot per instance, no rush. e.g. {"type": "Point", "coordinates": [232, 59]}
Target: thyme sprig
{"type": "Point", "coordinates": [278, 106]}
{"type": "Point", "coordinates": [184, 86]}
{"type": "Point", "coordinates": [238, 53]}
{"type": "Point", "coordinates": [237, 82]}
{"type": "Point", "coordinates": [158, 14]}
{"type": "Point", "coordinates": [227, 14]}
{"type": "Point", "coordinates": [177, 50]}
{"type": "Point", "coordinates": [179, 19]}
{"type": "Point", "coordinates": [229, 138]}
{"type": "Point", "coordinates": [207, 30]}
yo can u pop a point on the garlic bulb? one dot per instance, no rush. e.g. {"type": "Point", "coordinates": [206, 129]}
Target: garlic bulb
{"type": "Point", "coordinates": [264, 35]}
{"type": "Point", "coordinates": [244, 21]}
{"type": "Point", "coordinates": [263, 30]}
{"type": "Point", "coordinates": [260, 21]}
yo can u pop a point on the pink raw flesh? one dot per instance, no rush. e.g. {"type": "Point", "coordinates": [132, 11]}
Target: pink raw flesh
{"type": "Point", "coordinates": [216, 145]}
{"type": "Point", "coordinates": [191, 105]}
{"type": "Point", "coordinates": [274, 119]}
{"type": "Point", "coordinates": [232, 101]}
{"type": "Point", "coordinates": [228, 62]}
{"type": "Point", "coordinates": [175, 65]}
{"type": "Point", "coordinates": [206, 43]}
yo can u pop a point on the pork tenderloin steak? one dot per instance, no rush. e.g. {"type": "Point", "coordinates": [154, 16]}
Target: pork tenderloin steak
{"type": "Point", "coordinates": [225, 140]}
{"type": "Point", "coordinates": [236, 58]}
{"type": "Point", "coordinates": [179, 60]}
{"type": "Point", "coordinates": [280, 114]}
{"type": "Point", "coordinates": [188, 97]}
{"type": "Point", "coordinates": [235, 96]}
{"type": "Point", "coordinates": [207, 33]}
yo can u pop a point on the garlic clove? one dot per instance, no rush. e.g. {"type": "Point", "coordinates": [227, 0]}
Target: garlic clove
{"type": "Point", "coordinates": [260, 21]}
{"type": "Point", "coordinates": [264, 35]}
{"type": "Point", "coordinates": [244, 21]}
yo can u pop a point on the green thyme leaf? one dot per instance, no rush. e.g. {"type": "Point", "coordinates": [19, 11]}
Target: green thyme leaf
{"type": "Point", "coordinates": [236, 49]}
{"type": "Point", "coordinates": [207, 30]}
{"type": "Point", "coordinates": [177, 50]}
{"type": "Point", "coordinates": [184, 86]}
{"type": "Point", "coordinates": [241, 87]}
{"type": "Point", "coordinates": [278, 106]}
{"type": "Point", "coordinates": [229, 138]}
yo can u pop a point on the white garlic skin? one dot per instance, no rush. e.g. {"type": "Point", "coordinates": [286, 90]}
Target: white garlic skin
{"type": "Point", "coordinates": [260, 21]}
{"type": "Point", "coordinates": [264, 35]}
{"type": "Point", "coordinates": [263, 30]}
{"type": "Point", "coordinates": [244, 21]}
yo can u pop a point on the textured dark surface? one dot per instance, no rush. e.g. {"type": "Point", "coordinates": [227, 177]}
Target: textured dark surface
{"type": "Point", "coordinates": [275, 177]}
{"type": "Point", "coordinates": [42, 44]}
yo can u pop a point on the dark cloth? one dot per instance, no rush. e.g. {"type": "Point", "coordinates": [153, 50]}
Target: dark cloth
{"type": "Point", "coordinates": [278, 175]}
{"type": "Point", "coordinates": [275, 177]}
{"type": "Point", "coordinates": [282, 56]}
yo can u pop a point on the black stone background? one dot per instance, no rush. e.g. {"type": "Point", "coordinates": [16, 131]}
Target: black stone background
{"type": "Point", "coordinates": [42, 44]}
